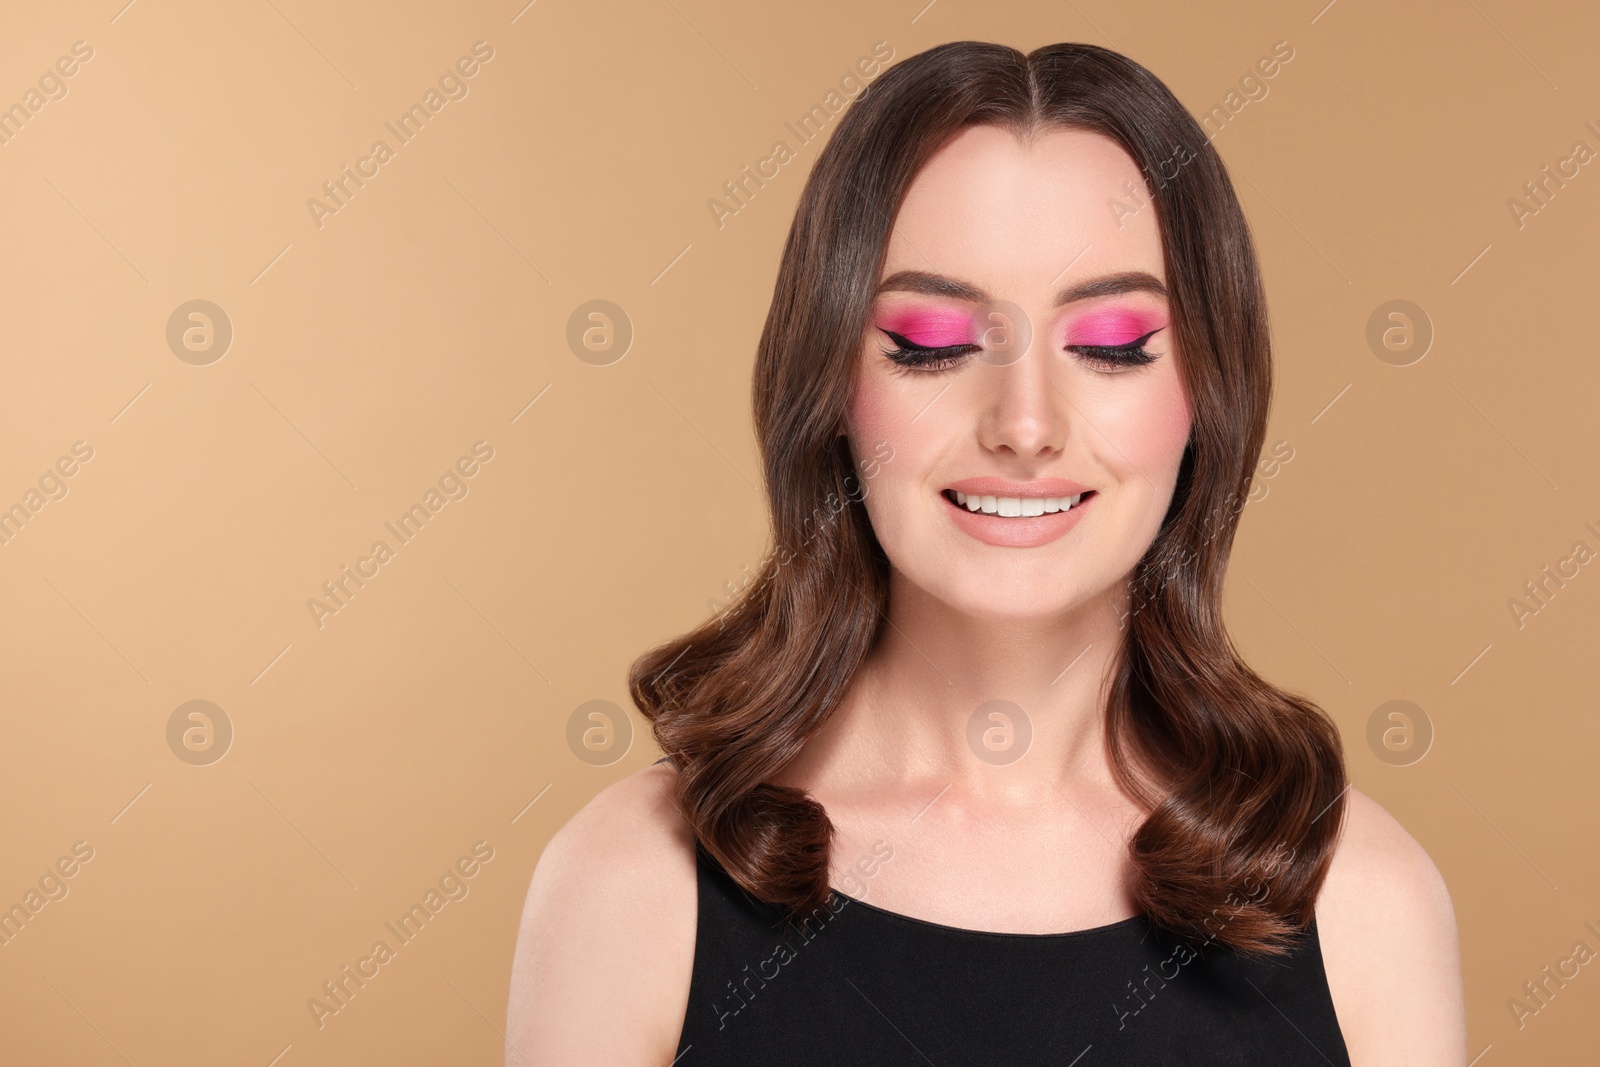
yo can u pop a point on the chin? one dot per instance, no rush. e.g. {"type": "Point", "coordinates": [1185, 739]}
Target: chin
{"type": "Point", "coordinates": [1015, 597]}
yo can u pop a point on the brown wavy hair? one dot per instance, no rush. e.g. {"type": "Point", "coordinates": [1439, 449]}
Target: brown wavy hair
{"type": "Point", "coordinates": [1244, 781]}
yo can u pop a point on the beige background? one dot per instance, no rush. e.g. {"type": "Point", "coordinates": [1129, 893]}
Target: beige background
{"type": "Point", "coordinates": [369, 353]}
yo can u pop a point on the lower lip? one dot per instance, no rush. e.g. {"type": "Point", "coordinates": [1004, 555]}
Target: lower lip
{"type": "Point", "coordinates": [1021, 532]}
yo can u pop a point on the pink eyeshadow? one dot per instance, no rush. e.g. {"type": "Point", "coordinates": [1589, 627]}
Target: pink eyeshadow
{"type": "Point", "coordinates": [1113, 326]}
{"type": "Point", "coordinates": [933, 328]}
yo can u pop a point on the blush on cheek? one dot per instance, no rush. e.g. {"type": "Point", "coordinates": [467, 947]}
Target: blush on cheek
{"type": "Point", "coordinates": [930, 327]}
{"type": "Point", "coordinates": [886, 410]}
{"type": "Point", "coordinates": [1164, 422]}
{"type": "Point", "coordinates": [869, 413]}
{"type": "Point", "coordinates": [1141, 425]}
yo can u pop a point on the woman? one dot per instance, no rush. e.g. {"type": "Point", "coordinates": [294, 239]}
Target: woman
{"type": "Point", "coordinates": [1010, 393]}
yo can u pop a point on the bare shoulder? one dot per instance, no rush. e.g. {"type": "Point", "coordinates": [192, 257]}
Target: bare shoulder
{"type": "Point", "coordinates": [606, 945]}
{"type": "Point", "coordinates": [1388, 934]}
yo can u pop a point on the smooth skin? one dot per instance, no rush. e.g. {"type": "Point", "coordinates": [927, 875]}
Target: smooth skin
{"type": "Point", "coordinates": [606, 947]}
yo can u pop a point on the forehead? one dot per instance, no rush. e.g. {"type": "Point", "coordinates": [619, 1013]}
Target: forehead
{"type": "Point", "coordinates": [1010, 217]}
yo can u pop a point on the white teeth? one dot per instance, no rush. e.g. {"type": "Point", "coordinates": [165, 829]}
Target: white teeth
{"type": "Point", "coordinates": [1017, 507]}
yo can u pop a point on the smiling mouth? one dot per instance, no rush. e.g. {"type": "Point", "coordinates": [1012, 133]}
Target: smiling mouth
{"type": "Point", "coordinates": [1010, 507]}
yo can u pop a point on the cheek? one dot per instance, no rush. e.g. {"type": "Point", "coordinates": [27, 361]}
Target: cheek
{"type": "Point", "coordinates": [884, 410]}
{"type": "Point", "coordinates": [1150, 427]}
{"type": "Point", "coordinates": [868, 413]}
{"type": "Point", "coordinates": [890, 416]}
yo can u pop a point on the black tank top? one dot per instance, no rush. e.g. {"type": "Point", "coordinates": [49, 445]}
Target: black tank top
{"type": "Point", "coordinates": [855, 984]}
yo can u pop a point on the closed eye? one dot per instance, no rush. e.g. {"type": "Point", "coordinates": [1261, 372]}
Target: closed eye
{"type": "Point", "coordinates": [1131, 354]}
{"type": "Point", "coordinates": [912, 356]}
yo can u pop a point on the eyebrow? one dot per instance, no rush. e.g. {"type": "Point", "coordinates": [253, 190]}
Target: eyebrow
{"type": "Point", "coordinates": [918, 281]}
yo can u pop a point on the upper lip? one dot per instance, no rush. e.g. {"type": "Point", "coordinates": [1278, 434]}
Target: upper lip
{"type": "Point", "coordinates": [1046, 487]}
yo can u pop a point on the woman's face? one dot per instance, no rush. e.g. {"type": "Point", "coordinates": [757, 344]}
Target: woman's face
{"type": "Point", "coordinates": [1065, 397]}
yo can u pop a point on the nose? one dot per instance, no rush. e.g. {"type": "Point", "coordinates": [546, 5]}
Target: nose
{"type": "Point", "coordinates": [1024, 411]}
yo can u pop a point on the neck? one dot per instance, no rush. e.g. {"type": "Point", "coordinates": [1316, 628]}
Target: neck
{"type": "Point", "coordinates": [1010, 710]}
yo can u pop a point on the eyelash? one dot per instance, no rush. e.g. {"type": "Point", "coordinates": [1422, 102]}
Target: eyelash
{"type": "Point", "coordinates": [920, 358]}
